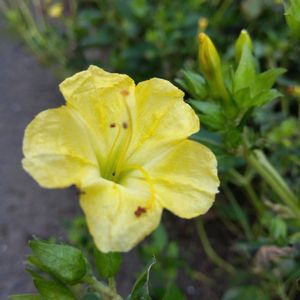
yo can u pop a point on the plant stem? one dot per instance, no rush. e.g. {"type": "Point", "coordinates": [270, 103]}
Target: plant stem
{"type": "Point", "coordinates": [245, 182]}
{"type": "Point", "coordinates": [261, 164]}
{"type": "Point", "coordinates": [102, 289]}
{"type": "Point", "coordinates": [239, 212]}
{"type": "Point", "coordinates": [215, 258]}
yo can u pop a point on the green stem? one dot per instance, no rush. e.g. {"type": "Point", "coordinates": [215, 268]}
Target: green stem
{"type": "Point", "coordinates": [215, 258]}
{"type": "Point", "coordinates": [238, 212]}
{"type": "Point", "coordinates": [112, 284]}
{"type": "Point", "coordinates": [261, 164]}
{"type": "Point", "coordinates": [102, 289]}
{"type": "Point", "coordinates": [245, 182]}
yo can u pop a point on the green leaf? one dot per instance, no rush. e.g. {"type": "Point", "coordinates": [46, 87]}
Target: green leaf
{"type": "Point", "coordinates": [173, 293]}
{"type": "Point", "coordinates": [245, 73]}
{"type": "Point", "coordinates": [140, 289]}
{"type": "Point", "coordinates": [278, 229]}
{"type": "Point", "coordinates": [62, 261]}
{"type": "Point", "coordinates": [51, 290]}
{"type": "Point", "coordinates": [159, 238]}
{"type": "Point", "coordinates": [196, 85]}
{"type": "Point", "coordinates": [107, 264]}
{"type": "Point", "coordinates": [243, 97]}
{"type": "Point", "coordinates": [245, 293]}
{"type": "Point", "coordinates": [266, 80]}
{"type": "Point", "coordinates": [210, 113]}
{"type": "Point", "coordinates": [265, 97]}
{"type": "Point", "coordinates": [25, 297]}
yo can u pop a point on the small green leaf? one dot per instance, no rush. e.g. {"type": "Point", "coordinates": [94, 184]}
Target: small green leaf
{"type": "Point", "coordinates": [26, 297]}
{"type": "Point", "coordinates": [107, 264]}
{"type": "Point", "coordinates": [51, 290]}
{"type": "Point", "coordinates": [278, 229]}
{"type": "Point", "coordinates": [245, 73]}
{"type": "Point", "coordinates": [265, 97]}
{"type": "Point", "coordinates": [140, 289]}
{"type": "Point", "coordinates": [196, 85]}
{"type": "Point", "coordinates": [266, 80]}
{"type": "Point", "coordinates": [62, 261]}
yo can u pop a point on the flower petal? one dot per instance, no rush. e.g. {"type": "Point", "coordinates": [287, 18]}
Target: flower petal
{"type": "Point", "coordinates": [162, 118]}
{"type": "Point", "coordinates": [103, 100]}
{"type": "Point", "coordinates": [115, 214]}
{"type": "Point", "coordinates": [57, 149]}
{"type": "Point", "coordinates": [186, 179]}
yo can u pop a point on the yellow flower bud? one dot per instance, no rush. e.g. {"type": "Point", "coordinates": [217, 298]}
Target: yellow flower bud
{"type": "Point", "coordinates": [210, 64]}
{"type": "Point", "coordinates": [243, 40]}
{"type": "Point", "coordinates": [55, 10]}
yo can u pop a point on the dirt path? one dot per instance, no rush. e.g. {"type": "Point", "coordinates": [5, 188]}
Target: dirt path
{"type": "Point", "coordinates": [25, 208]}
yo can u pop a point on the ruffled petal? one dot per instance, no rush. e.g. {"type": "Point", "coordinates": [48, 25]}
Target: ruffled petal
{"type": "Point", "coordinates": [117, 216]}
{"type": "Point", "coordinates": [162, 119]}
{"type": "Point", "coordinates": [105, 101]}
{"type": "Point", "coordinates": [185, 179]}
{"type": "Point", "coordinates": [57, 149]}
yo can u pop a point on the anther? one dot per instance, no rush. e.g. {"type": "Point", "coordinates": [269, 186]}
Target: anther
{"type": "Point", "coordinates": [113, 174]}
{"type": "Point", "coordinates": [140, 210]}
{"type": "Point", "coordinates": [125, 125]}
{"type": "Point", "coordinates": [112, 125]}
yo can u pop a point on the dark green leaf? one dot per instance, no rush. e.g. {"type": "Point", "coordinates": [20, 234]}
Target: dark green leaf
{"type": "Point", "coordinates": [140, 289]}
{"type": "Point", "coordinates": [107, 264]}
{"type": "Point", "coordinates": [64, 262]}
{"type": "Point", "coordinates": [51, 290]}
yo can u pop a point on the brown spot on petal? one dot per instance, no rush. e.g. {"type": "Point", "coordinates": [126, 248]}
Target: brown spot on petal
{"type": "Point", "coordinates": [125, 125]}
{"type": "Point", "coordinates": [113, 125]}
{"type": "Point", "coordinates": [124, 93]}
{"type": "Point", "coordinates": [139, 211]}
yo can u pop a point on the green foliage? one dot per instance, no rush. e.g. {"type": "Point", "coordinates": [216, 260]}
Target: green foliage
{"type": "Point", "coordinates": [107, 264]}
{"type": "Point", "coordinates": [64, 262]}
{"type": "Point", "coordinates": [292, 15]}
{"type": "Point", "coordinates": [140, 289]}
{"type": "Point", "coordinates": [51, 290]}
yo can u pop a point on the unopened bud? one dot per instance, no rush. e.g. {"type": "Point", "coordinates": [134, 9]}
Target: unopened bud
{"type": "Point", "coordinates": [210, 64]}
{"type": "Point", "coordinates": [244, 40]}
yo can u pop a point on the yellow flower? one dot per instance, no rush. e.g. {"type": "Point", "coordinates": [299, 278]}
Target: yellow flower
{"type": "Point", "coordinates": [55, 10]}
{"type": "Point", "coordinates": [125, 147]}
